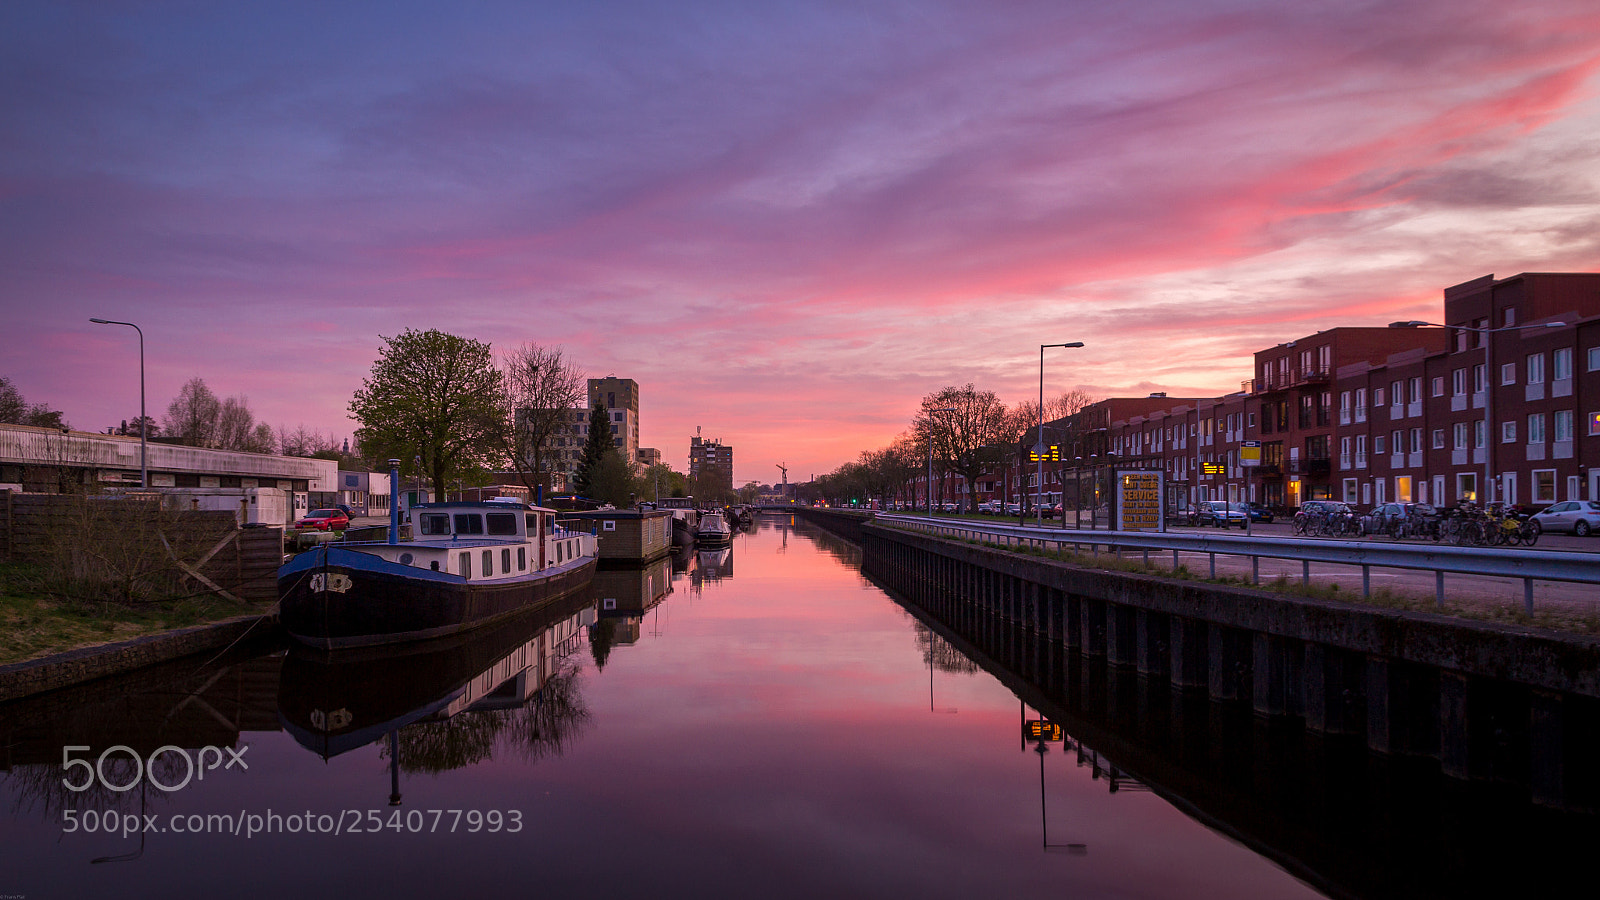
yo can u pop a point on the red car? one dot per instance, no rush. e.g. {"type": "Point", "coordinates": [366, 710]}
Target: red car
{"type": "Point", "coordinates": [324, 520]}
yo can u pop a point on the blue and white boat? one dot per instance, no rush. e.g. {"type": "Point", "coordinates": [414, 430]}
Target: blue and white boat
{"type": "Point", "coordinates": [467, 564]}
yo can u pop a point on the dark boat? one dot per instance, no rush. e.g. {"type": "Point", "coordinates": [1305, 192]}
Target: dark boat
{"type": "Point", "coordinates": [468, 564]}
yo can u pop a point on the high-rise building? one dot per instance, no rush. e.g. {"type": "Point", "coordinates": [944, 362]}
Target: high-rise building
{"type": "Point", "coordinates": [709, 455]}
{"type": "Point", "coordinates": [620, 397]}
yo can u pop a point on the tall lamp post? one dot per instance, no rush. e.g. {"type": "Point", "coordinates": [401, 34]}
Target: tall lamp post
{"type": "Point", "coordinates": [1038, 447]}
{"type": "Point", "coordinates": [144, 468]}
{"type": "Point", "coordinates": [1489, 439]}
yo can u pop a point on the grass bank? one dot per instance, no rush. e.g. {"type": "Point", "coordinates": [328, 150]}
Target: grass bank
{"type": "Point", "coordinates": [35, 623]}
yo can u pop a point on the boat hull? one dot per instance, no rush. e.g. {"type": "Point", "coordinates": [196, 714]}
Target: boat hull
{"type": "Point", "coordinates": [334, 597]}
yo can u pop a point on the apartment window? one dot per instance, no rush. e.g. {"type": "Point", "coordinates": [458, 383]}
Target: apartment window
{"type": "Point", "coordinates": [1561, 364]}
{"type": "Point", "coordinates": [1379, 447]}
{"type": "Point", "coordinates": [1594, 424]}
{"type": "Point", "coordinates": [1511, 316]}
{"type": "Point", "coordinates": [1414, 387]}
{"type": "Point", "coordinates": [1252, 420]}
{"type": "Point", "coordinates": [1478, 378]}
{"type": "Point", "coordinates": [1461, 341]}
{"type": "Point", "coordinates": [1438, 385]}
{"type": "Point", "coordinates": [1416, 440]}
{"type": "Point", "coordinates": [1536, 368]}
{"type": "Point", "coordinates": [1508, 373]}
{"type": "Point", "coordinates": [1594, 359]}
{"type": "Point", "coordinates": [1458, 382]}
{"type": "Point", "coordinates": [1397, 442]}
{"type": "Point", "coordinates": [1377, 396]}
{"type": "Point", "coordinates": [1344, 401]}
{"type": "Point", "coordinates": [1544, 485]}
{"type": "Point", "coordinates": [1266, 417]}
{"type": "Point", "coordinates": [1461, 435]}
{"type": "Point", "coordinates": [1397, 393]}
{"type": "Point", "coordinates": [1438, 438]}
{"type": "Point", "coordinates": [1480, 434]}
{"type": "Point", "coordinates": [1508, 432]}
{"type": "Point", "coordinates": [1536, 428]}
{"type": "Point", "coordinates": [1562, 423]}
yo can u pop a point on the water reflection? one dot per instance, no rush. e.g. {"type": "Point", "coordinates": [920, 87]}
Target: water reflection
{"type": "Point", "coordinates": [449, 702]}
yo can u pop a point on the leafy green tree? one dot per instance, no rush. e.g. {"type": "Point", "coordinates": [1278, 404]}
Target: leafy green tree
{"type": "Point", "coordinates": [435, 396]}
{"type": "Point", "coordinates": [611, 481]}
{"type": "Point", "coordinates": [595, 448]}
{"type": "Point", "coordinates": [661, 481]}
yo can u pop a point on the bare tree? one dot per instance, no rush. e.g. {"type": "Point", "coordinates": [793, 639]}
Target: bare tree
{"type": "Point", "coordinates": [192, 415]}
{"type": "Point", "coordinates": [541, 389]}
{"type": "Point", "coordinates": [968, 430]}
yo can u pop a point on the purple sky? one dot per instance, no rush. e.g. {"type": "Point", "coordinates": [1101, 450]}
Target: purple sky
{"type": "Point", "coordinates": [787, 222]}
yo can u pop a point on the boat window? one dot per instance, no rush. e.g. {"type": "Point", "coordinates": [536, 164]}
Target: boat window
{"type": "Point", "coordinates": [559, 548]}
{"type": "Point", "coordinates": [466, 565]}
{"type": "Point", "coordinates": [533, 523]}
{"type": "Point", "coordinates": [502, 523]}
{"type": "Point", "coordinates": [522, 558]}
{"type": "Point", "coordinates": [549, 523]}
{"type": "Point", "coordinates": [469, 523]}
{"type": "Point", "coordinates": [435, 523]}
{"type": "Point", "coordinates": [405, 559]}
{"type": "Point", "coordinates": [488, 563]}
{"type": "Point", "coordinates": [505, 560]}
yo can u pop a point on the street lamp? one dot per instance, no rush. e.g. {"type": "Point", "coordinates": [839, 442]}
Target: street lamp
{"type": "Point", "coordinates": [1038, 447]}
{"type": "Point", "coordinates": [930, 456]}
{"type": "Point", "coordinates": [1489, 439]}
{"type": "Point", "coordinates": [144, 426]}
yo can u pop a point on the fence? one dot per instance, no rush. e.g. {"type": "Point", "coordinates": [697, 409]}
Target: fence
{"type": "Point", "coordinates": [1528, 566]}
{"type": "Point", "coordinates": [214, 552]}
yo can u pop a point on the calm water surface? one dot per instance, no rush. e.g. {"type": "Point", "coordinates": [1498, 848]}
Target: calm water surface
{"type": "Point", "coordinates": [757, 722]}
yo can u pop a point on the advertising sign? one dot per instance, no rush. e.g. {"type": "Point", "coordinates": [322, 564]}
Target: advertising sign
{"type": "Point", "coordinates": [1140, 504]}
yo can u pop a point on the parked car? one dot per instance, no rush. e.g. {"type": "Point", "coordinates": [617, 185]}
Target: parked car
{"type": "Point", "coordinates": [324, 520]}
{"type": "Point", "coordinates": [1013, 509]}
{"type": "Point", "coordinates": [1259, 513]}
{"type": "Point", "coordinates": [1222, 514]}
{"type": "Point", "coordinates": [1580, 517]}
{"type": "Point", "coordinates": [989, 506]}
{"type": "Point", "coordinates": [1051, 511]}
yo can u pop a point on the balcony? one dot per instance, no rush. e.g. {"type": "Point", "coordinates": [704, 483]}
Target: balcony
{"type": "Point", "coordinates": [1314, 376]}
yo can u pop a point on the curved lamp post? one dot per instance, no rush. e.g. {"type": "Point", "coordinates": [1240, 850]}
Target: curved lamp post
{"type": "Point", "coordinates": [1038, 445]}
{"type": "Point", "coordinates": [1489, 439]}
{"type": "Point", "coordinates": [144, 470]}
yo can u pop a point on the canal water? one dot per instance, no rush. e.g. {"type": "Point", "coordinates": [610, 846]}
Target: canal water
{"type": "Point", "coordinates": [761, 721]}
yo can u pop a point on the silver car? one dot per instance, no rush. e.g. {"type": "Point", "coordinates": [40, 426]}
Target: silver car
{"type": "Point", "coordinates": [1579, 517]}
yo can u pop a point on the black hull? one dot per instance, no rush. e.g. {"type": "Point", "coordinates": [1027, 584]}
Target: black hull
{"type": "Point", "coordinates": [384, 603]}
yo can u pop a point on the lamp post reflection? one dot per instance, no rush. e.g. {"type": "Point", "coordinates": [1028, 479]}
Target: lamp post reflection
{"type": "Point", "coordinates": [1075, 849]}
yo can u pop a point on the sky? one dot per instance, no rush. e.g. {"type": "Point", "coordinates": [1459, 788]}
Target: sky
{"type": "Point", "coordinates": [788, 222]}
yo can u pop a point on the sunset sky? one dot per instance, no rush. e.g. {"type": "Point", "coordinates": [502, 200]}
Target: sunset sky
{"type": "Point", "coordinates": [787, 221]}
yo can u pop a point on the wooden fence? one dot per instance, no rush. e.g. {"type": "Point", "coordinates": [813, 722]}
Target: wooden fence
{"type": "Point", "coordinates": [208, 548]}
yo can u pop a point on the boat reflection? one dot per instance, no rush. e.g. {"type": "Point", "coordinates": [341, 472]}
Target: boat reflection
{"type": "Point", "coordinates": [450, 700]}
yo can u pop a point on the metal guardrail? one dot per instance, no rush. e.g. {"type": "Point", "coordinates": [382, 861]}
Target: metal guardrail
{"type": "Point", "coordinates": [1529, 566]}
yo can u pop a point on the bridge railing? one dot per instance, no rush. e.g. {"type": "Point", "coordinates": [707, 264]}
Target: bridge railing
{"type": "Point", "coordinates": [1529, 566]}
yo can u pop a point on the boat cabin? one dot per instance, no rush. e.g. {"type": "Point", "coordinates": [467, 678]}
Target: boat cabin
{"type": "Point", "coordinates": [485, 540]}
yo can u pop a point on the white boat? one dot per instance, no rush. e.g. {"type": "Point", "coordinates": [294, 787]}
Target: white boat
{"type": "Point", "coordinates": [714, 530]}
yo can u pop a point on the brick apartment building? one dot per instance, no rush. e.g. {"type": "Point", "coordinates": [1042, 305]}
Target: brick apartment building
{"type": "Point", "coordinates": [1505, 396]}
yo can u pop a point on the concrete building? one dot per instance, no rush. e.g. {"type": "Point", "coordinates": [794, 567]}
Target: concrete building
{"type": "Point", "coordinates": [710, 455]}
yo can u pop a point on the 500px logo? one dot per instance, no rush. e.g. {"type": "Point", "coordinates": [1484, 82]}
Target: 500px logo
{"type": "Point", "coordinates": [195, 767]}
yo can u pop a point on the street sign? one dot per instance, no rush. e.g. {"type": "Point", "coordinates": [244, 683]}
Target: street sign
{"type": "Point", "coordinates": [1250, 453]}
{"type": "Point", "coordinates": [1041, 453]}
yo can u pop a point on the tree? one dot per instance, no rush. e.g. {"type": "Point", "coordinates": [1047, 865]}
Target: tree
{"type": "Point", "coordinates": [541, 389]}
{"type": "Point", "coordinates": [968, 430]}
{"type": "Point", "coordinates": [131, 427]}
{"type": "Point", "coordinates": [192, 415]}
{"type": "Point", "coordinates": [660, 481]}
{"type": "Point", "coordinates": [611, 481]}
{"type": "Point", "coordinates": [435, 396]}
{"type": "Point", "coordinates": [595, 447]}
{"type": "Point", "coordinates": [16, 411]}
